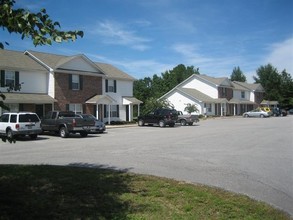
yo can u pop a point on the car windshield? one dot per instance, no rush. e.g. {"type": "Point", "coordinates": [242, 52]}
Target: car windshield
{"type": "Point", "coordinates": [28, 118]}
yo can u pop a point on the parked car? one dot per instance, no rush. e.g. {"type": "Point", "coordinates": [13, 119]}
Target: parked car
{"type": "Point", "coordinates": [20, 124]}
{"type": "Point", "coordinates": [185, 119]}
{"type": "Point", "coordinates": [99, 125]}
{"type": "Point", "coordinates": [279, 112]}
{"type": "Point", "coordinates": [161, 117]}
{"type": "Point", "coordinates": [290, 111]}
{"type": "Point", "coordinates": [66, 122]}
{"type": "Point", "coordinates": [256, 113]}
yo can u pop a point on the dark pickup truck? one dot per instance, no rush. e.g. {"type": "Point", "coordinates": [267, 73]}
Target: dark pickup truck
{"type": "Point", "coordinates": [66, 122]}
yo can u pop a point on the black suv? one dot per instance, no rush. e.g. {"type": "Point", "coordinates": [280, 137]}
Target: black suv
{"type": "Point", "coordinates": [161, 117]}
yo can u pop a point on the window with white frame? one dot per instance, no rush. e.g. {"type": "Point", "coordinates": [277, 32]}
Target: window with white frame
{"type": "Point", "coordinates": [242, 94]}
{"type": "Point", "coordinates": [114, 111]}
{"type": "Point", "coordinates": [76, 108]}
{"type": "Point", "coordinates": [75, 82]}
{"type": "Point", "coordinates": [9, 78]}
{"type": "Point", "coordinates": [111, 85]}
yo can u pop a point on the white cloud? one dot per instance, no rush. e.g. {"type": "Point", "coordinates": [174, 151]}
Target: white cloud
{"type": "Point", "coordinates": [116, 34]}
{"type": "Point", "coordinates": [281, 56]}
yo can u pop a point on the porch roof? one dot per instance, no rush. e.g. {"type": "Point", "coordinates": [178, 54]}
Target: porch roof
{"type": "Point", "coordinates": [240, 101]}
{"type": "Point", "coordinates": [131, 100]}
{"type": "Point", "coordinates": [101, 99]}
{"type": "Point", "coordinates": [28, 98]}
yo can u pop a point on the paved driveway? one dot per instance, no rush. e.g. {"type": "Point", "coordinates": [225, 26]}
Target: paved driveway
{"type": "Point", "coordinates": [251, 156]}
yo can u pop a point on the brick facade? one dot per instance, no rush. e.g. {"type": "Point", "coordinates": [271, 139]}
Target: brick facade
{"type": "Point", "coordinates": [91, 85]}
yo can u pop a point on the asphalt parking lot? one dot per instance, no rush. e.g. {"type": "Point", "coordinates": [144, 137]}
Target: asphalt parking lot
{"type": "Point", "coordinates": [251, 156]}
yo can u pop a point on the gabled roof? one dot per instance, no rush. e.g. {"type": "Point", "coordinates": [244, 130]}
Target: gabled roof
{"type": "Point", "coordinates": [16, 60]}
{"type": "Point", "coordinates": [250, 86]}
{"type": "Point", "coordinates": [113, 72]}
{"type": "Point", "coordinates": [55, 62]}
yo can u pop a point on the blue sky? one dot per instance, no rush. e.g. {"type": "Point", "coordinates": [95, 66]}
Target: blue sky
{"type": "Point", "coordinates": [147, 37]}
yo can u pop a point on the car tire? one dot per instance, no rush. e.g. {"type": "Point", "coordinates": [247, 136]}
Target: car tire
{"type": "Point", "coordinates": [162, 124]}
{"type": "Point", "coordinates": [262, 116]}
{"type": "Point", "coordinates": [9, 134]}
{"type": "Point", "coordinates": [140, 122]}
{"type": "Point", "coordinates": [83, 134]}
{"type": "Point", "coordinates": [183, 122]}
{"type": "Point", "coordinates": [33, 136]}
{"type": "Point", "coordinates": [63, 132]}
{"type": "Point", "coordinates": [246, 116]}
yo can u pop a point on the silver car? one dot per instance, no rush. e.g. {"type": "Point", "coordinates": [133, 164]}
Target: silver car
{"type": "Point", "coordinates": [256, 113]}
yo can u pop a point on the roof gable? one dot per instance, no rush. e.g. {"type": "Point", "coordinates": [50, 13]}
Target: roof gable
{"type": "Point", "coordinates": [56, 62]}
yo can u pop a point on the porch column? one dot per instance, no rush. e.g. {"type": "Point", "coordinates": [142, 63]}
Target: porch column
{"type": "Point", "coordinates": [97, 111]}
{"type": "Point", "coordinates": [138, 109]}
{"type": "Point", "coordinates": [130, 113]}
{"type": "Point", "coordinates": [234, 109]}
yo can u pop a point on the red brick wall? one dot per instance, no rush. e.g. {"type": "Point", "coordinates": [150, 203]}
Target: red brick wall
{"type": "Point", "coordinates": [92, 85]}
{"type": "Point", "coordinates": [228, 95]}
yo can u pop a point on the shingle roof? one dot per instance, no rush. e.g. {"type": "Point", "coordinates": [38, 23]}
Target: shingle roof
{"type": "Point", "coordinates": [217, 81]}
{"type": "Point", "coordinates": [16, 60]}
{"type": "Point", "coordinates": [113, 72]}
{"type": "Point", "coordinates": [201, 96]}
{"type": "Point", "coordinates": [250, 86]}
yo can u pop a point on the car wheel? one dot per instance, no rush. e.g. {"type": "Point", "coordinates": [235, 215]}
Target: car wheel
{"type": "Point", "coordinates": [246, 116]}
{"type": "Point", "coordinates": [83, 134]}
{"type": "Point", "coordinates": [262, 116]}
{"type": "Point", "coordinates": [9, 134]}
{"type": "Point", "coordinates": [140, 122]}
{"type": "Point", "coordinates": [162, 124]}
{"type": "Point", "coordinates": [33, 136]}
{"type": "Point", "coordinates": [183, 122]}
{"type": "Point", "coordinates": [63, 132]}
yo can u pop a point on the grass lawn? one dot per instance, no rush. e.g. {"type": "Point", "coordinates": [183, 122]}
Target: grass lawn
{"type": "Point", "coordinates": [55, 192]}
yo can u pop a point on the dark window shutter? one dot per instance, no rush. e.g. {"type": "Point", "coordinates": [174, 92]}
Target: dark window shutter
{"type": "Point", "coordinates": [80, 82]}
{"type": "Point", "coordinates": [16, 79]}
{"type": "Point", "coordinates": [105, 111]}
{"type": "Point", "coordinates": [115, 86]}
{"type": "Point", "coordinates": [67, 107]}
{"type": "Point", "coordinates": [118, 111]}
{"type": "Point", "coordinates": [2, 78]}
{"type": "Point", "coordinates": [106, 86]}
{"type": "Point", "coordinates": [70, 81]}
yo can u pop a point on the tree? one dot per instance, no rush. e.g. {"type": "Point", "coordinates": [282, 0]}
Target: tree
{"type": "Point", "coordinates": [191, 108]}
{"type": "Point", "coordinates": [286, 89]}
{"type": "Point", "coordinates": [153, 103]}
{"type": "Point", "coordinates": [237, 75]}
{"type": "Point", "coordinates": [37, 26]}
{"type": "Point", "coordinates": [270, 79]}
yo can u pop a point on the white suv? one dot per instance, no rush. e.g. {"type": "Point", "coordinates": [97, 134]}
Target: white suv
{"type": "Point", "coordinates": [22, 123]}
